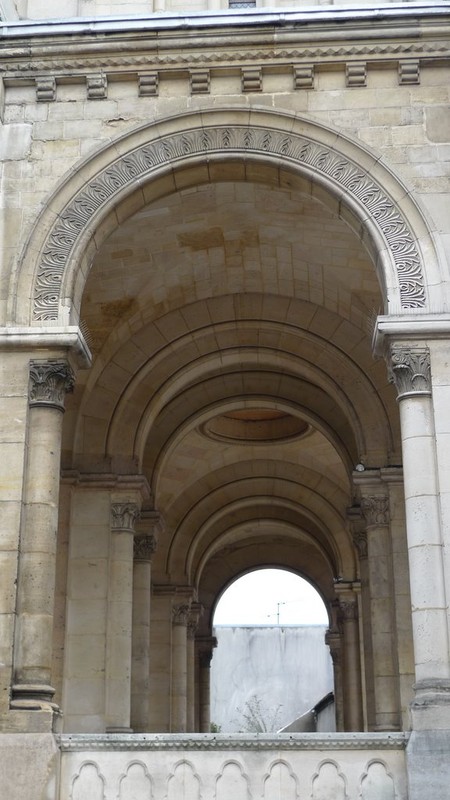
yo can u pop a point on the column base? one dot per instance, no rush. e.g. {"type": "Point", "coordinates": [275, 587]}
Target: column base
{"type": "Point", "coordinates": [430, 709]}
{"type": "Point", "coordinates": [118, 729]}
{"type": "Point", "coordinates": [33, 696]}
{"type": "Point", "coordinates": [427, 752]}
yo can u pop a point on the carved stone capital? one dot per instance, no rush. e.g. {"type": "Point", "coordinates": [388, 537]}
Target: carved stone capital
{"type": "Point", "coordinates": [410, 370]}
{"type": "Point", "coordinates": [206, 645]}
{"type": "Point", "coordinates": [124, 516]}
{"type": "Point", "coordinates": [360, 541]}
{"type": "Point", "coordinates": [357, 526]}
{"type": "Point", "coordinates": [334, 642]}
{"type": "Point", "coordinates": [376, 509]}
{"type": "Point", "coordinates": [180, 614]}
{"type": "Point", "coordinates": [348, 609]}
{"type": "Point", "coordinates": [144, 547]}
{"type": "Point", "coordinates": [49, 382]}
{"type": "Point", "coordinates": [195, 612]}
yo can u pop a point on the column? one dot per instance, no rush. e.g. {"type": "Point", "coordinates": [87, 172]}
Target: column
{"type": "Point", "coordinates": [144, 547]}
{"type": "Point", "coordinates": [359, 535]}
{"type": "Point", "coordinates": [49, 382]}
{"type": "Point", "coordinates": [393, 479]}
{"type": "Point", "coordinates": [410, 370]}
{"type": "Point", "coordinates": [119, 618]}
{"type": "Point", "coordinates": [180, 617]}
{"type": "Point", "coordinates": [194, 615]}
{"type": "Point", "coordinates": [375, 508]}
{"type": "Point", "coordinates": [333, 639]}
{"type": "Point", "coordinates": [348, 612]}
{"type": "Point", "coordinates": [206, 646]}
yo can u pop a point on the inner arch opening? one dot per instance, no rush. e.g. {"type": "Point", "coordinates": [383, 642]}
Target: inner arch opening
{"type": "Point", "coordinates": [271, 669]}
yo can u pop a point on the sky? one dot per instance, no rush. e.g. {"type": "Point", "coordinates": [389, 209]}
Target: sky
{"type": "Point", "coordinates": [270, 597]}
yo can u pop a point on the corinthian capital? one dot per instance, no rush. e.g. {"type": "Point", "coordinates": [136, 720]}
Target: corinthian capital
{"type": "Point", "coordinates": [49, 382]}
{"type": "Point", "coordinates": [348, 609]}
{"type": "Point", "coordinates": [144, 547]}
{"type": "Point", "coordinates": [180, 614]}
{"type": "Point", "coordinates": [124, 516]}
{"type": "Point", "coordinates": [410, 370]}
{"type": "Point", "coordinates": [376, 509]}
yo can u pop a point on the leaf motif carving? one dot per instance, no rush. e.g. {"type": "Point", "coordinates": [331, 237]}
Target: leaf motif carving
{"type": "Point", "coordinates": [298, 149]}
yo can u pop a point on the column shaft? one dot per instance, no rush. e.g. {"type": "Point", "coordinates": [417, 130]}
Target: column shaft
{"type": "Point", "coordinates": [36, 583]}
{"type": "Point", "coordinates": [179, 668]}
{"type": "Point", "coordinates": [348, 605]}
{"type": "Point", "coordinates": [140, 650]}
{"type": "Point", "coordinates": [119, 621]}
{"type": "Point", "coordinates": [382, 610]}
{"type": "Point", "coordinates": [410, 369]}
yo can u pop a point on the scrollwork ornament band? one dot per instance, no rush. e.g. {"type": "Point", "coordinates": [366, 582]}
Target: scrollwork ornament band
{"type": "Point", "coordinates": [410, 370]}
{"type": "Point", "coordinates": [49, 383]}
{"type": "Point", "coordinates": [174, 148]}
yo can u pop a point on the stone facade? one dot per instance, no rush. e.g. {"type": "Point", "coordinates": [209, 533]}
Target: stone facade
{"type": "Point", "coordinates": [224, 336]}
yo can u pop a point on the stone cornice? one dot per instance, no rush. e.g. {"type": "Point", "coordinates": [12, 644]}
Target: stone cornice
{"type": "Point", "coordinates": [289, 741]}
{"type": "Point", "coordinates": [413, 31]}
{"type": "Point", "coordinates": [69, 338]}
{"type": "Point", "coordinates": [23, 68]}
{"type": "Point", "coordinates": [409, 327]}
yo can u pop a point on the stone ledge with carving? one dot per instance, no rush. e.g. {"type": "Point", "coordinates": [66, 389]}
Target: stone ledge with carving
{"type": "Point", "coordinates": [208, 741]}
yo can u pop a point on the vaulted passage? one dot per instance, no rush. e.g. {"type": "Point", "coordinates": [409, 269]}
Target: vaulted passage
{"type": "Point", "coordinates": [224, 338]}
{"type": "Point", "coordinates": [232, 395]}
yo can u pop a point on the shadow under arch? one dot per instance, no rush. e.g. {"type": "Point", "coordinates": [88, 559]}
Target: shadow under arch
{"type": "Point", "coordinates": [189, 149]}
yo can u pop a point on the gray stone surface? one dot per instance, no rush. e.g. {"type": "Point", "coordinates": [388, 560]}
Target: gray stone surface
{"type": "Point", "coordinates": [37, 777]}
{"type": "Point", "coordinates": [428, 763]}
{"type": "Point", "coordinates": [287, 669]}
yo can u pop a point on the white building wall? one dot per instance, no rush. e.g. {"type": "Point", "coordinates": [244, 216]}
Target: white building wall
{"type": "Point", "coordinates": [287, 669]}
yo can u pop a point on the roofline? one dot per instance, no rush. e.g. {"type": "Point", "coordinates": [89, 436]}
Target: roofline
{"type": "Point", "coordinates": [230, 18]}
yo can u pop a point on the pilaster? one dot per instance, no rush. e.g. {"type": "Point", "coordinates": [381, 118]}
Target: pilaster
{"type": "Point", "coordinates": [124, 513]}
{"type": "Point", "coordinates": [145, 545]}
{"type": "Point", "coordinates": [375, 510]}
{"type": "Point", "coordinates": [205, 648]}
{"type": "Point", "coordinates": [347, 594]}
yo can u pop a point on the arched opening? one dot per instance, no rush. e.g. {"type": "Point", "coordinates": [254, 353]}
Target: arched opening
{"type": "Point", "coordinates": [231, 396]}
{"type": "Point", "coordinates": [271, 668]}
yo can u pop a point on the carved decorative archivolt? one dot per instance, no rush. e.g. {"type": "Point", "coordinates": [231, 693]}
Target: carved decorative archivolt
{"type": "Point", "coordinates": [174, 148]}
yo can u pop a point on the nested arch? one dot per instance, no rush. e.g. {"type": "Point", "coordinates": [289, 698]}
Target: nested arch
{"type": "Point", "coordinates": [191, 149]}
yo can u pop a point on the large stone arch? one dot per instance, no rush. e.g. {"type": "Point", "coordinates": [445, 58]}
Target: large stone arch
{"type": "Point", "coordinates": [191, 149]}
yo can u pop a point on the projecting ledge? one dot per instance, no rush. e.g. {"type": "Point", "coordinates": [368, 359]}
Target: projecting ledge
{"type": "Point", "coordinates": [209, 741]}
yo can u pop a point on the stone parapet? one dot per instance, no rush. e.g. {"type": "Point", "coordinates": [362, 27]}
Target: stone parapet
{"type": "Point", "coordinates": [252, 766]}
